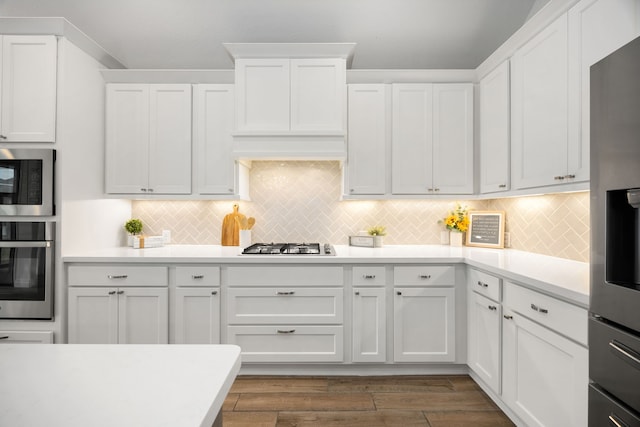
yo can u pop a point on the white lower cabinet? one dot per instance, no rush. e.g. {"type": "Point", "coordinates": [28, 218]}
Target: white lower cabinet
{"type": "Point", "coordinates": [131, 315]}
{"type": "Point", "coordinates": [545, 374]}
{"type": "Point", "coordinates": [424, 327]}
{"type": "Point", "coordinates": [26, 337]}
{"type": "Point", "coordinates": [369, 325]}
{"type": "Point", "coordinates": [484, 338]}
{"type": "Point", "coordinates": [197, 315]}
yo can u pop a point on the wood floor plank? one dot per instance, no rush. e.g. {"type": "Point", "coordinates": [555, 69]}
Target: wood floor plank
{"type": "Point", "coordinates": [249, 419]}
{"type": "Point", "coordinates": [469, 418]}
{"type": "Point", "coordinates": [463, 382]}
{"type": "Point", "coordinates": [459, 401]}
{"type": "Point", "coordinates": [279, 384]}
{"type": "Point", "coordinates": [305, 402]}
{"type": "Point", "coordinates": [230, 402]}
{"type": "Point", "coordinates": [353, 419]}
{"type": "Point", "coordinates": [390, 384]}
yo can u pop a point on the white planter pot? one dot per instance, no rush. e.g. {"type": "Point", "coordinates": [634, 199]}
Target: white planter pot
{"type": "Point", "coordinates": [455, 237]}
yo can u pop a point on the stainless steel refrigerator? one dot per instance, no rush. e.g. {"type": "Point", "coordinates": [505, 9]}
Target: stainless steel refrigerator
{"type": "Point", "coordinates": [614, 324]}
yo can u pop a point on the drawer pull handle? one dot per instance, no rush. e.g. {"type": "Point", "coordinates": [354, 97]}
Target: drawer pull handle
{"type": "Point", "coordinates": [120, 292]}
{"type": "Point", "coordinates": [398, 293]}
{"type": "Point", "coordinates": [288, 331]}
{"type": "Point", "coordinates": [508, 317]}
{"type": "Point", "coordinates": [3, 137]}
{"type": "Point", "coordinates": [214, 292]}
{"type": "Point", "coordinates": [425, 276]}
{"type": "Point", "coordinates": [617, 422]}
{"type": "Point", "coordinates": [369, 276]}
{"type": "Point", "coordinates": [570, 176]}
{"type": "Point", "coordinates": [197, 276]}
{"type": "Point", "coordinates": [502, 186]}
{"type": "Point", "coordinates": [539, 309]}
{"type": "Point", "coordinates": [625, 351]}
{"type": "Point", "coordinates": [484, 285]}
{"type": "Point", "coordinates": [285, 292]}
{"type": "Point", "coordinates": [117, 276]}
{"type": "Point", "coordinates": [492, 307]}
{"type": "Point", "coordinates": [112, 292]}
{"type": "Point", "coordinates": [4, 338]}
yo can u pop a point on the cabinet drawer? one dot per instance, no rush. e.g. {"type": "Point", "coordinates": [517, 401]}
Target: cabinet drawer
{"type": "Point", "coordinates": [26, 337]}
{"type": "Point", "coordinates": [198, 276]}
{"type": "Point", "coordinates": [284, 305]}
{"type": "Point", "coordinates": [264, 275]}
{"type": "Point", "coordinates": [567, 319]}
{"type": "Point", "coordinates": [117, 275]}
{"type": "Point", "coordinates": [424, 275]}
{"type": "Point", "coordinates": [369, 276]}
{"type": "Point", "coordinates": [484, 284]}
{"type": "Point", "coordinates": [288, 343]}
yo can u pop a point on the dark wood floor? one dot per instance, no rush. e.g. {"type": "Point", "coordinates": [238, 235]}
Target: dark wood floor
{"type": "Point", "coordinates": [407, 401]}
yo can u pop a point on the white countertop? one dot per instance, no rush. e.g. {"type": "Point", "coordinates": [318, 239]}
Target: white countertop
{"type": "Point", "coordinates": [114, 385]}
{"type": "Point", "coordinates": [563, 278]}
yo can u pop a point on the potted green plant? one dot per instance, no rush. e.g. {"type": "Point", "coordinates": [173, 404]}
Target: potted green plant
{"type": "Point", "coordinates": [133, 227]}
{"type": "Point", "coordinates": [377, 231]}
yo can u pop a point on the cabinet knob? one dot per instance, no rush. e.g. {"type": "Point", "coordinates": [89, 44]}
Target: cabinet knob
{"type": "Point", "coordinates": [150, 190]}
{"type": "Point", "coordinates": [357, 293]}
{"type": "Point", "coordinates": [508, 317]}
{"type": "Point", "coordinates": [425, 276]}
{"type": "Point", "coordinates": [112, 292]}
{"type": "Point", "coordinates": [492, 307]}
{"type": "Point", "coordinates": [369, 276]}
{"type": "Point", "coordinates": [558, 178]}
{"type": "Point", "coordinates": [144, 190]}
{"type": "Point", "coordinates": [120, 292]}
{"type": "Point", "coordinates": [570, 176]}
{"type": "Point", "coordinates": [351, 190]}
{"type": "Point", "coordinates": [3, 137]}
{"type": "Point", "coordinates": [197, 276]}
{"type": "Point", "coordinates": [230, 190]}
{"type": "Point", "coordinates": [484, 285]}
{"type": "Point", "coordinates": [502, 186]}
{"type": "Point", "coordinates": [214, 292]}
{"type": "Point", "coordinates": [436, 190]}
{"type": "Point", "coordinates": [398, 293]}
{"type": "Point", "coordinates": [430, 190]}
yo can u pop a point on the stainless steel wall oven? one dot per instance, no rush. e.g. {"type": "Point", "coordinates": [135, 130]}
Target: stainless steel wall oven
{"type": "Point", "coordinates": [27, 182]}
{"type": "Point", "coordinates": [614, 326]}
{"type": "Point", "coordinates": [26, 270]}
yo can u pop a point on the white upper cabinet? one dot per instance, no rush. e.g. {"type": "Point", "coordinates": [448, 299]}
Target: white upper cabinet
{"type": "Point", "coordinates": [368, 141]}
{"type": "Point", "coordinates": [290, 95]}
{"type": "Point", "coordinates": [432, 139]}
{"type": "Point", "coordinates": [596, 29]}
{"type": "Point", "coordinates": [28, 91]}
{"type": "Point", "coordinates": [148, 139]}
{"type": "Point", "coordinates": [214, 120]}
{"type": "Point", "coordinates": [539, 109]}
{"type": "Point", "coordinates": [494, 130]}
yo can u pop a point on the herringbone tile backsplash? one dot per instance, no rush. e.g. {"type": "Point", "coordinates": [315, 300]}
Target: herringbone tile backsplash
{"type": "Point", "coordinates": [299, 201]}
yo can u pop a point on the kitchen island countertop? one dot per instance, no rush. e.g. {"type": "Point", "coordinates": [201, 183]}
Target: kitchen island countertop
{"type": "Point", "coordinates": [562, 278]}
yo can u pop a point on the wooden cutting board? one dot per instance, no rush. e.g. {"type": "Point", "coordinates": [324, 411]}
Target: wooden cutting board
{"type": "Point", "coordinates": [231, 228]}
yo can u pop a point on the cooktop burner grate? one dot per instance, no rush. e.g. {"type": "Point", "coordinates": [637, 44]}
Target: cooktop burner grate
{"type": "Point", "coordinates": [289, 249]}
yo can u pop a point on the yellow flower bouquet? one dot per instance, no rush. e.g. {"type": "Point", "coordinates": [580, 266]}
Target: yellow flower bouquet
{"type": "Point", "coordinates": [458, 219]}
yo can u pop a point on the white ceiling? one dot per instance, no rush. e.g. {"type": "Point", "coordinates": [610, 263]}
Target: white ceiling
{"type": "Point", "coordinates": [390, 34]}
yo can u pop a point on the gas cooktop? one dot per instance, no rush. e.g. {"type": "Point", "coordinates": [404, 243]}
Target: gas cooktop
{"type": "Point", "coordinates": [289, 249]}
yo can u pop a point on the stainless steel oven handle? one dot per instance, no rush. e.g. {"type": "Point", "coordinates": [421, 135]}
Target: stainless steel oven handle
{"type": "Point", "coordinates": [626, 352]}
{"type": "Point", "coordinates": [36, 244]}
{"type": "Point", "coordinates": [616, 422]}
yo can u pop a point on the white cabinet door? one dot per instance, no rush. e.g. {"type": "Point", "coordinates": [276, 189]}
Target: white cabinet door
{"type": "Point", "coordinates": [93, 315]}
{"type": "Point", "coordinates": [596, 29]}
{"type": "Point", "coordinates": [424, 325]}
{"type": "Point", "coordinates": [367, 134]}
{"type": "Point", "coordinates": [453, 138]}
{"type": "Point", "coordinates": [369, 325]}
{"type": "Point", "coordinates": [545, 376]}
{"type": "Point", "coordinates": [318, 93]}
{"type": "Point", "coordinates": [412, 139]}
{"type": "Point", "coordinates": [262, 95]}
{"type": "Point", "coordinates": [539, 109]}
{"type": "Point", "coordinates": [197, 316]}
{"type": "Point", "coordinates": [28, 106]}
{"type": "Point", "coordinates": [143, 315]}
{"type": "Point", "coordinates": [494, 130]}
{"type": "Point", "coordinates": [127, 138]}
{"type": "Point", "coordinates": [484, 336]}
{"type": "Point", "coordinates": [148, 139]}
{"type": "Point", "coordinates": [214, 121]}
{"type": "Point", "coordinates": [170, 139]}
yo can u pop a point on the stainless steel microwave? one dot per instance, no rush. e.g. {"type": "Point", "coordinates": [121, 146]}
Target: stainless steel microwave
{"type": "Point", "coordinates": [27, 182]}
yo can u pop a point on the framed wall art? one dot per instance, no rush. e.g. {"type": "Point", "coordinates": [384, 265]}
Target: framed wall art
{"type": "Point", "coordinates": [486, 229]}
